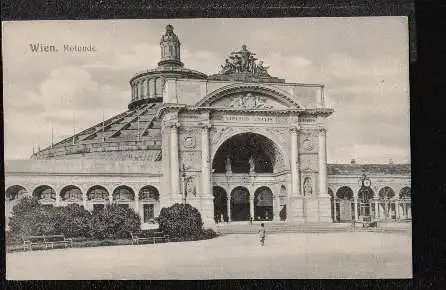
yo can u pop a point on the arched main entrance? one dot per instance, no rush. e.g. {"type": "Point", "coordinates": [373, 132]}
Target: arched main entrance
{"type": "Point", "coordinates": [263, 204]}
{"type": "Point", "coordinates": [246, 153]}
{"type": "Point", "coordinates": [344, 205]}
{"type": "Point", "coordinates": [240, 204]}
{"type": "Point", "coordinates": [220, 204]}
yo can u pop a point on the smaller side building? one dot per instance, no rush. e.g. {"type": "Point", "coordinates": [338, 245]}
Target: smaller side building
{"type": "Point", "coordinates": [381, 191]}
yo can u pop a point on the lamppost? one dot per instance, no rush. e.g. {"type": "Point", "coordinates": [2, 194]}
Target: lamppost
{"type": "Point", "coordinates": [183, 177]}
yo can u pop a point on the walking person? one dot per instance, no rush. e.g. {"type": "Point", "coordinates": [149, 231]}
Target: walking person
{"type": "Point", "coordinates": [262, 234]}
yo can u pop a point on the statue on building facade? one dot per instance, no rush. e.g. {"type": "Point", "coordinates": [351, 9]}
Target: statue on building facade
{"type": "Point", "coordinates": [308, 189]}
{"type": "Point", "coordinates": [228, 165]}
{"type": "Point", "coordinates": [251, 165]}
{"type": "Point", "coordinates": [243, 61]}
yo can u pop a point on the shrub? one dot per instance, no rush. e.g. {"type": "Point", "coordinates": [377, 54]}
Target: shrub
{"type": "Point", "coordinates": [180, 220]}
{"type": "Point", "coordinates": [73, 221]}
{"type": "Point", "coordinates": [114, 222]}
{"type": "Point", "coordinates": [30, 218]}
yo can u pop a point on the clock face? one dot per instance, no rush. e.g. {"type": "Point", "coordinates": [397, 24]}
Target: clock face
{"type": "Point", "coordinates": [366, 182]}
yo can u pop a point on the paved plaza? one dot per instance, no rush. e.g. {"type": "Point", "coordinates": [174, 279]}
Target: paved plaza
{"type": "Point", "coordinates": [286, 255]}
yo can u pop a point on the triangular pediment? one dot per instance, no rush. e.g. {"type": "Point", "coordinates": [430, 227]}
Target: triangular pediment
{"type": "Point", "coordinates": [249, 97]}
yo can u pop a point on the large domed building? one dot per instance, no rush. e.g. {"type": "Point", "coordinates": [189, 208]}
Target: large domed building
{"type": "Point", "coordinates": [237, 144]}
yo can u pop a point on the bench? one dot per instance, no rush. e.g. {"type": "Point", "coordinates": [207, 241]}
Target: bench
{"type": "Point", "coordinates": [155, 237]}
{"type": "Point", "coordinates": [366, 224]}
{"type": "Point", "coordinates": [136, 238]}
{"type": "Point", "coordinates": [160, 237]}
{"type": "Point", "coordinates": [50, 241]}
{"type": "Point", "coordinates": [47, 241]}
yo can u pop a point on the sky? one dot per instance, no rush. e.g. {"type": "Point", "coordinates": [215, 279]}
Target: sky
{"type": "Point", "coordinates": [362, 61]}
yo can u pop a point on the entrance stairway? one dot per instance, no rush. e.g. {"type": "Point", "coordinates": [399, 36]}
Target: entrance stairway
{"type": "Point", "coordinates": [316, 227]}
{"type": "Point", "coordinates": [282, 227]}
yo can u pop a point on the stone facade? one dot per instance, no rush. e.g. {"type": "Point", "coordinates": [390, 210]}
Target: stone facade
{"type": "Point", "coordinates": [181, 139]}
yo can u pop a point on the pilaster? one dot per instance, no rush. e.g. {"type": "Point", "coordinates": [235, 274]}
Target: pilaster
{"type": "Point", "coordinates": [323, 182]}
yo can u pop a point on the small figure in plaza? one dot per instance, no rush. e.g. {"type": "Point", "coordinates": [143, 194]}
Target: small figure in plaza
{"type": "Point", "coordinates": [251, 164]}
{"type": "Point", "coordinates": [262, 234]}
{"type": "Point", "coordinates": [250, 220]}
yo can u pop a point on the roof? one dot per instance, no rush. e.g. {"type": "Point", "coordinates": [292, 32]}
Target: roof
{"type": "Point", "coordinates": [359, 169]}
{"type": "Point", "coordinates": [119, 133]}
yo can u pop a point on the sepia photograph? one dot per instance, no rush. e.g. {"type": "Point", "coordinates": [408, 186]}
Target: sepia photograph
{"type": "Point", "coordinates": [207, 148]}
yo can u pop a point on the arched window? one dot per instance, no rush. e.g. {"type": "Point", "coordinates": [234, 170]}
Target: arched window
{"type": "Point", "coordinates": [71, 193]}
{"type": "Point", "coordinates": [405, 193]}
{"type": "Point", "coordinates": [149, 192]}
{"type": "Point", "coordinates": [386, 193]}
{"type": "Point", "coordinates": [123, 193]}
{"type": "Point", "coordinates": [97, 192]}
{"type": "Point", "coordinates": [45, 193]}
{"type": "Point", "coordinates": [15, 192]}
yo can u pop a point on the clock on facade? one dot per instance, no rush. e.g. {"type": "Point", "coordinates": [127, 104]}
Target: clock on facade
{"type": "Point", "coordinates": [366, 182]}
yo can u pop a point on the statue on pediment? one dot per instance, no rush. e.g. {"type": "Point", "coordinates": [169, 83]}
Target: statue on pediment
{"type": "Point", "coordinates": [243, 61]}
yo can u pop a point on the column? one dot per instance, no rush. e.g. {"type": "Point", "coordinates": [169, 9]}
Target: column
{"type": "Point", "coordinates": [175, 168]}
{"type": "Point", "coordinates": [355, 200]}
{"type": "Point", "coordinates": [151, 88]}
{"type": "Point", "coordinates": [334, 209]}
{"type": "Point", "coordinates": [251, 205]}
{"type": "Point", "coordinates": [228, 204]}
{"type": "Point", "coordinates": [276, 208]}
{"type": "Point", "coordinates": [84, 199]}
{"type": "Point", "coordinates": [136, 204]}
{"type": "Point", "coordinates": [295, 187]}
{"type": "Point", "coordinates": [397, 210]}
{"type": "Point", "coordinates": [409, 211]}
{"type": "Point", "coordinates": [322, 161]}
{"type": "Point", "coordinates": [205, 163]}
{"type": "Point", "coordinates": [57, 203]}
{"type": "Point", "coordinates": [375, 202]}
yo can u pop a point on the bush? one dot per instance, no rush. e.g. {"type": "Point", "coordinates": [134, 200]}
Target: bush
{"type": "Point", "coordinates": [114, 222]}
{"type": "Point", "coordinates": [31, 218]}
{"type": "Point", "coordinates": [73, 221]}
{"type": "Point", "coordinates": [180, 220]}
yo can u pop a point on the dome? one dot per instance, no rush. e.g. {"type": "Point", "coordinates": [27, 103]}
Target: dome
{"type": "Point", "coordinates": [136, 133]}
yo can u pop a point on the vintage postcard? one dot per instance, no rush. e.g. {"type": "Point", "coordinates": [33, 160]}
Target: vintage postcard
{"type": "Point", "coordinates": [207, 148]}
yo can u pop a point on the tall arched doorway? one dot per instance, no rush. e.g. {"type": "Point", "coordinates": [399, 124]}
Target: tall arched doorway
{"type": "Point", "coordinates": [263, 204]}
{"type": "Point", "coordinates": [386, 194]}
{"type": "Point", "coordinates": [344, 205]}
{"type": "Point", "coordinates": [149, 202]}
{"type": "Point", "coordinates": [247, 153]}
{"type": "Point", "coordinates": [220, 204]}
{"type": "Point", "coordinates": [404, 203]}
{"type": "Point", "coordinates": [240, 204]}
{"type": "Point", "coordinates": [365, 196]}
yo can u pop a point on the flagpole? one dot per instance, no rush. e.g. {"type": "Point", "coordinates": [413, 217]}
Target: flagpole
{"type": "Point", "coordinates": [74, 127]}
{"type": "Point", "coordinates": [51, 135]}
